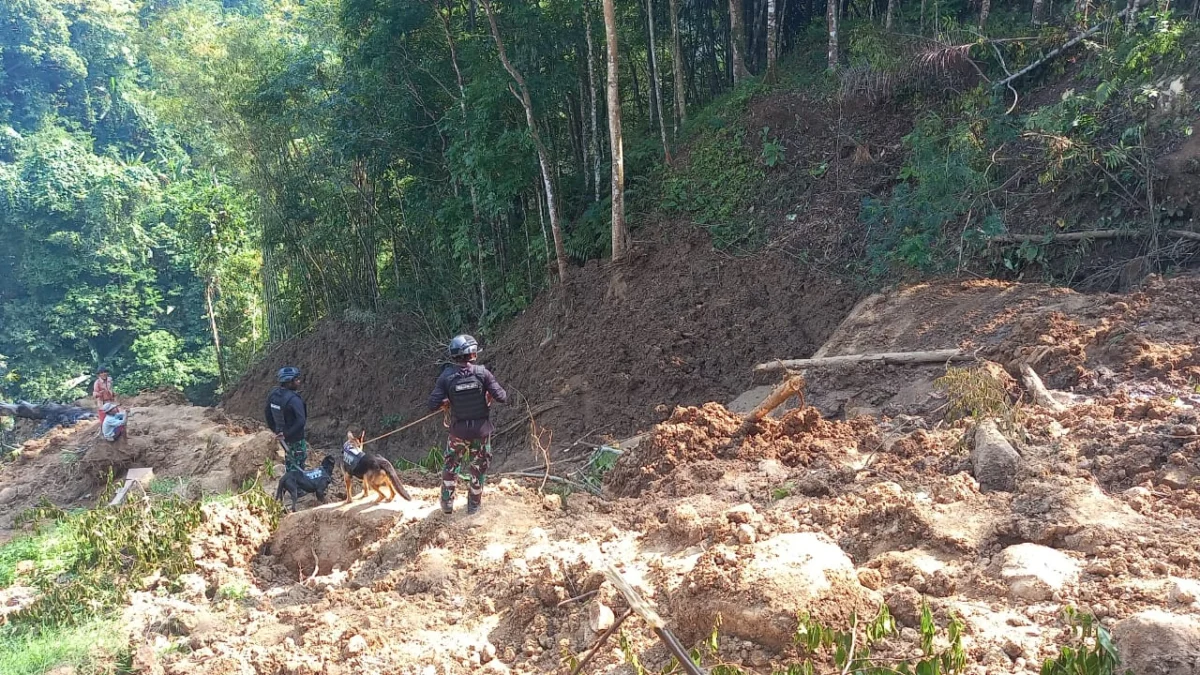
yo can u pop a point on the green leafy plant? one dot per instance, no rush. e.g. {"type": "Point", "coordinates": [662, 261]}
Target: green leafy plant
{"type": "Point", "coordinates": [1091, 651]}
{"type": "Point", "coordinates": [772, 149]}
{"type": "Point", "coordinates": [850, 650]}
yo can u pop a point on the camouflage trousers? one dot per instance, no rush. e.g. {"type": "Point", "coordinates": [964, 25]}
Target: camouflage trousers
{"type": "Point", "coordinates": [481, 456]}
{"type": "Point", "coordinates": [296, 455]}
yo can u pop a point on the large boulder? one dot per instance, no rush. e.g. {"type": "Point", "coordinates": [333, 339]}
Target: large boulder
{"type": "Point", "coordinates": [993, 459]}
{"type": "Point", "coordinates": [1035, 573]}
{"type": "Point", "coordinates": [1159, 643]}
{"type": "Point", "coordinates": [759, 589]}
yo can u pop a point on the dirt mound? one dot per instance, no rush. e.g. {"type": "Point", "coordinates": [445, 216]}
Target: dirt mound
{"type": "Point", "coordinates": [336, 536]}
{"type": "Point", "coordinates": [800, 438]}
{"type": "Point", "coordinates": [204, 450]}
{"type": "Point", "coordinates": [680, 325]}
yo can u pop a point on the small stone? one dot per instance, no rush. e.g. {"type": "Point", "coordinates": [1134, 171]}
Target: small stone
{"type": "Point", "coordinates": [552, 502]}
{"type": "Point", "coordinates": [870, 578]}
{"type": "Point", "coordinates": [1159, 643]}
{"type": "Point", "coordinates": [356, 645]}
{"type": "Point", "coordinates": [1183, 591]}
{"type": "Point", "coordinates": [773, 469]}
{"type": "Point", "coordinates": [487, 653]}
{"type": "Point", "coordinates": [746, 534]}
{"type": "Point", "coordinates": [600, 617]}
{"type": "Point", "coordinates": [8, 495]}
{"type": "Point", "coordinates": [1013, 649]}
{"type": "Point", "coordinates": [759, 659]}
{"type": "Point", "coordinates": [1035, 573]}
{"type": "Point", "coordinates": [1175, 477]}
{"type": "Point", "coordinates": [742, 513]}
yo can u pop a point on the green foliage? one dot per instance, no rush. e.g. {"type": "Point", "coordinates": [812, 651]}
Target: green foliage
{"type": "Point", "coordinates": [83, 563]}
{"type": "Point", "coordinates": [715, 187]}
{"type": "Point", "coordinates": [1091, 651]}
{"type": "Point", "coordinates": [941, 207]}
{"type": "Point", "coordinates": [101, 268]}
{"type": "Point", "coordinates": [431, 463]}
{"type": "Point", "coordinates": [850, 651]}
{"type": "Point", "coordinates": [772, 149]}
{"type": "Point", "coordinates": [91, 648]}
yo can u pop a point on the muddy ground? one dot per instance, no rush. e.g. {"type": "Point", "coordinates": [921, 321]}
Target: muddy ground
{"type": "Point", "coordinates": [870, 496]}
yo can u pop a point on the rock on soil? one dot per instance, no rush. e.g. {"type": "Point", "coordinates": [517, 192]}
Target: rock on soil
{"type": "Point", "coordinates": [1035, 573]}
{"type": "Point", "coordinates": [759, 592]}
{"type": "Point", "coordinates": [994, 459]}
{"type": "Point", "coordinates": [1159, 643]}
{"type": "Point", "coordinates": [332, 535]}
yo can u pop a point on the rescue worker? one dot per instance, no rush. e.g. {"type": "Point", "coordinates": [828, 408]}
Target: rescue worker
{"type": "Point", "coordinates": [102, 393]}
{"type": "Point", "coordinates": [466, 389]}
{"type": "Point", "coordinates": [286, 415]}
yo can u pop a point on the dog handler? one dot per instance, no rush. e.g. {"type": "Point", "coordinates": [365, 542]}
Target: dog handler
{"type": "Point", "coordinates": [286, 415]}
{"type": "Point", "coordinates": [466, 389]}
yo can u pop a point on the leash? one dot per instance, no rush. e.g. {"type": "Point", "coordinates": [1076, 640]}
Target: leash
{"type": "Point", "coordinates": [406, 426]}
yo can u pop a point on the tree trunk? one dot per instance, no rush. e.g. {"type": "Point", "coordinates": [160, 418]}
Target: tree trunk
{"type": "Point", "coordinates": [1038, 11]}
{"type": "Point", "coordinates": [737, 40]}
{"type": "Point", "coordinates": [522, 94]}
{"type": "Point", "coordinates": [985, 8]}
{"type": "Point", "coordinates": [1130, 15]}
{"type": "Point", "coordinates": [216, 334]}
{"type": "Point", "coordinates": [662, 121]}
{"type": "Point", "coordinates": [891, 358]}
{"type": "Point", "coordinates": [677, 67]}
{"type": "Point", "coordinates": [772, 38]}
{"type": "Point", "coordinates": [591, 73]}
{"type": "Point", "coordinates": [891, 15]}
{"type": "Point", "coordinates": [620, 237]}
{"type": "Point", "coordinates": [831, 17]}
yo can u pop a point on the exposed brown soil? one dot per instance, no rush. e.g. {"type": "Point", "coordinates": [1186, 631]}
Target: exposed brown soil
{"type": "Point", "coordinates": [680, 324]}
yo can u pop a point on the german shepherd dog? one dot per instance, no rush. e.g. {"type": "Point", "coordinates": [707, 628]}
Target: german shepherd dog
{"type": "Point", "coordinates": [297, 482]}
{"type": "Point", "coordinates": [375, 472]}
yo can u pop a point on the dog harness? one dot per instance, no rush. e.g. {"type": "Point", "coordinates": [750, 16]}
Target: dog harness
{"type": "Point", "coordinates": [351, 454]}
{"type": "Point", "coordinates": [313, 474]}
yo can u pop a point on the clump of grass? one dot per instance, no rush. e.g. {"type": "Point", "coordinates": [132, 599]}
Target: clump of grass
{"type": "Point", "coordinates": [91, 648]}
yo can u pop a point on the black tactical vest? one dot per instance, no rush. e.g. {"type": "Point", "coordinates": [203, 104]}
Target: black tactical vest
{"type": "Point", "coordinates": [278, 400]}
{"type": "Point", "coordinates": [468, 398]}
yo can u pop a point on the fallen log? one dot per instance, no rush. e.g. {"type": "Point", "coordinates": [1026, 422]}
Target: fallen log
{"type": "Point", "coordinates": [935, 356]}
{"type": "Point", "coordinates": [1041, 395]}
{"type": "Point", "coordinates": [1062, 236]}
{"type": "Point", "coordinates": [1081, 236]}
{"type": "Point", "coordinates": [1055, 52]}
{"type": "Point", "coordinates": [793, 386]}
{"type": "Point", "coordinates": [51, 415]}
{"type": "Point", "coordinates": [44, 412]}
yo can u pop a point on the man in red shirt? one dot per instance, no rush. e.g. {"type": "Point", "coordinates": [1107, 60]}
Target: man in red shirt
{"type": "Point", "coordinates": [102, 392]}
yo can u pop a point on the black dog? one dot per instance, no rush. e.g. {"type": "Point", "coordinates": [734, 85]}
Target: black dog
{"type": "Point", "coordinates": [297, 482]}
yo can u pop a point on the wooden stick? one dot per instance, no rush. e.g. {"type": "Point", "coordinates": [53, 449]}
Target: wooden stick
{"type": "Point", "coordinates": [1055, 52]}
{"type": "Point", "coordinates": [535, 410]}
{"type": "Point", "coordinates": [936, 356]}
{"type": "Point", "coordinates": [646, 611]}
{"type": "Point", "coordinates": [1041, 395]}
{"type": "Point", "coordinates": [600, 641]}
{"type": "Point", "coordinates": [793, 386]}
{"type": "Point", "coordinates": [555, 479]}
{"type": "Point", "coordinates": [1184, 234]}
{"type": "Point", "coordinates": [1062, 236]}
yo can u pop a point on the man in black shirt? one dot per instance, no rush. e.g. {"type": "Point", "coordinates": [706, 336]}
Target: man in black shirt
{"type": "Point", "coordinates": [467, 389]}
{"type": "Point", "coordinates": [286, 415]}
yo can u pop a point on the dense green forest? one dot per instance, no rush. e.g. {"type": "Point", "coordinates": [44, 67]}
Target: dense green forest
{"type": "Point", "coordinates": [183, 182]}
